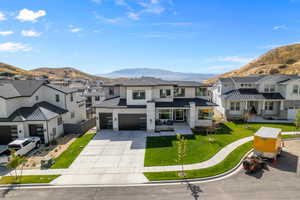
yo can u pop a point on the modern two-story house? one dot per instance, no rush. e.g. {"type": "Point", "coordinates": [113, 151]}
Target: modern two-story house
{"type": "Point", "coordinates": [149, 104]}
{"type": "Point", "coordinates": [265, 96]}
{"type": "Point", "coordinates": [36, 108]}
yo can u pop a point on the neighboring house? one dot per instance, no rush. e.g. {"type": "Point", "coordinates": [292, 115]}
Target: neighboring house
{"type": "Point", "coordinates": [147, 104]}
{"type": "Point", "coordinates": [93, 95]}
{"type": "Point", "coordinates": [36, 108]}
{"type": "Point", "coordinates": [266, 96]}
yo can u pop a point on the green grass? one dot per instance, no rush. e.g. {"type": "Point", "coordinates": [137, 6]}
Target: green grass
{"type": "Point", "coordinates": [290, 136]}
{"type": "Point", "coordinates": [71, 153]}
{"type": "Point", "coordinates": [228, 163]}
{"type": "Point", "coordinates": [28, 179]}
{"type": "Point", "coordinates": [162, 151]}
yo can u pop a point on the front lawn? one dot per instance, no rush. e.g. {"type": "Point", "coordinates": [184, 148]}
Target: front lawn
{"type": "Point", "coordinates": [228, 163]}
{"type": "Point", "coordinates": [28, 179]}
{"type": "Point", "coordinates": [162, 151]}
{"type": "Point", "coordinates": [71, 153]}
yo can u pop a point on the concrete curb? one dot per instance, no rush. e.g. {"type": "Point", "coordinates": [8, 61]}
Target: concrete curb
{"type": "Point", "coordinates": [150, 183]}
{"type": "Point", "coordinates": [229, 172]}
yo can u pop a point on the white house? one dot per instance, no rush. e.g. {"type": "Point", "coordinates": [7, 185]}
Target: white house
{"type": "Point", "coordinates": [149, 104]}
{"type": "Point", "coordinates": [265, 96]}
{"type": "Point", "coordinates": [36, 108]}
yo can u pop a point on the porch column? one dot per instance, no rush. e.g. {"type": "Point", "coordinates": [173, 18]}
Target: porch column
{"type": "Point", "coordinates": [192, 114]}
{"type": "Point", "coordinates": [246, 105]}
{"type": "Point", "coordinates": [281, 105]}
{"type": "Point", "coordinates": [115, 120]}
{"type": "Point", "coordinates": [21, 130]}
{"type": "Point", "coordinates": [150, 109]}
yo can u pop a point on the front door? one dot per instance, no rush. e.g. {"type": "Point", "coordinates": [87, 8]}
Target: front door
{"type": "Point", "coordinates": [179, 115]}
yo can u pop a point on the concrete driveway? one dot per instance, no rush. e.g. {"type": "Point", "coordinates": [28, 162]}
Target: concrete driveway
{"type": "Point", "coordinates": [113, 150]}
{"type": "Point", "coordinates": [111, 157]}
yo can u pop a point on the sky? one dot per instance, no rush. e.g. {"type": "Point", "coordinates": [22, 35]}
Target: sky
{"type": "Point", "coordinates": [100, 36]}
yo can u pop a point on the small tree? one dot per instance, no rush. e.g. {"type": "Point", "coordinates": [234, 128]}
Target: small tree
{"type": "Point", "coordinates": [297, 121]}
{"type": "Point", "coordinates": [181, 152]}
{"type": "Point", "coordinates": [13, 163]}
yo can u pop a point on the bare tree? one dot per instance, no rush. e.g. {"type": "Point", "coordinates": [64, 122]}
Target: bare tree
{"type": "Point", "coordinates": [181, 152]}
{"type": "Point", "coordinates": [14, 162]}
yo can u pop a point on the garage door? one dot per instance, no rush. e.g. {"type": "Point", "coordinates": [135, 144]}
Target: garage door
{"type": "Point", "coordinates": [7, 134]}
{"type": "Point", "coordinates": [105, 120]}
{"type": "Point", "coordinates": [132, 121]}
{"type": "Point", "coordinates": [292, 111]}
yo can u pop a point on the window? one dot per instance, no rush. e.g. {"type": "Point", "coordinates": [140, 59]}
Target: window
{"type": "Point", "coordinates": [111, 91]}
{"type": "Point", "coordinates": [36, 98]}
{"type": "Point", "coordinates": [57, 98]}
{"type": "Point", "coordinates": [165, 114]}
{"type": "Point", "coordinates": [235, 106]}
{"type": "Point", "coordinates": [269, 105]}
{"type": "Point", "coordinates": [26, 143]}
{"type": "Point", "coordinates": [138, 94]}
{"type": "Point", "coordinates": [71, 97]}
{"type": "Point", "coordinates": [269, 88]}
{"type": "Point", "coordinates": [205, 114]}
{"type": "Point", "coordinates": [296, 89]}
{"type": "Point", "coordinates": [59, 121]}
{"type": "Point", "coordinates": [201, 92]}
{"type": "Point", "coordinates": [179, 92]}
{"type": "Point", "coordinates": [72, 115]}
{"type": "Point", "coordinates": [97, 98]}
{"type": "Point", "coordinates": [165, 93]}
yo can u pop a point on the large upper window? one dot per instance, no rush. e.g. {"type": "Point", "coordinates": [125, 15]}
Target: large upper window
{"type": "Point", "coordinates": [165, 114]}
{"type": "Point", "coordinates": [165, 93]}
{"type": "Point", "coordinates": [269, 105]}
{"type": "Point", "coordinates": [235, 106]}
{"type": "Point", "coordinates": [201, 92]}
{"type": "Point", "coordinates": [205, 114]}
{"type": "Point", "coordinates": [269, 88]}
{"type": "Point", "coordinates": [179, 92]}
{"type": "Point", "coordinates": [296, 89]}
{"type": "Point", "coordinates": [138, 94]}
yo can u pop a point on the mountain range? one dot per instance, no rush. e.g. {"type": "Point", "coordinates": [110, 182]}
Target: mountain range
{"type": "Point", "coordinates": [157, 73]}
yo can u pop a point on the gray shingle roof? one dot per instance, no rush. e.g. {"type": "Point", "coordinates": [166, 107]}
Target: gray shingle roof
{"type": "Point", "coordinates": [246, 79]}
{"type": "Point", "coordinates": [177, 102]}
{"type": "Point", "coordinates": [39, 112]}
{"type": "Point", "coordinates": [65, 90]}
{"type": "Point", "coordinates": [244, 94]}
{"type": "Point", "coordinates": [154, 82]}
{"type": "Point", "coordinates": [259, 78]}
{"type": "Point", "coordinates": [19, 88]}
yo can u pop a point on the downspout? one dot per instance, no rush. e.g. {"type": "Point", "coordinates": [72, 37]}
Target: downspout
{"type": "Point", "coordinates": [48, 132]}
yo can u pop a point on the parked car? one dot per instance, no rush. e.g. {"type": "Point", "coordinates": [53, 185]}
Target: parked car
{"type": "Point", "coordinates": [24, 146]}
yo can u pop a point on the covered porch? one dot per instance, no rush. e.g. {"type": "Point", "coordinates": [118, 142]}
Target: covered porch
{"type": "Point", "coordinates": [270, 109]}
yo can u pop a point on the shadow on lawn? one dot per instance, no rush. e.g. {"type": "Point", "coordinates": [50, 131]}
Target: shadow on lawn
{"type": "Point", "coordinates": [165, 141]}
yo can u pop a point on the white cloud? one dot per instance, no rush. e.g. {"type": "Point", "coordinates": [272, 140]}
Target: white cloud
{"type": "Point", "coordinates": [108, 20]}
{"type": "Point", "coordinates": [2, 17]}
{"type": "Point", "coordinates": [30, 33]}
{"type": "Point", "coordinates": [97, 1]}
{"type": "Point", "coordinates": [75, 30]}
{"type": "Point", "coordinates": [6, 33]}
{"type": "Point", "coordinates": [280, 27]}
{"type": "Point", "coordinates": [123, 3]}
{"type": "Point", "coordinates": [29, 15]}
{"type": "Point", "coordinates": [12, 47]}
{"type": "Point", "coordinates": [134, 16]}
{"type": "Point", "coordinates": [232, 59]}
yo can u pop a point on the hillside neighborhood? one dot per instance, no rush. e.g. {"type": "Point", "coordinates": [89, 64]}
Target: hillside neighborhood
{"type": "Point", "coordinates": [149, 99]}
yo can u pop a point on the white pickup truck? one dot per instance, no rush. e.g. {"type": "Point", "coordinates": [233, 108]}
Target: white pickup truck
{"type": "Point", "coordinates": [20, 146]}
